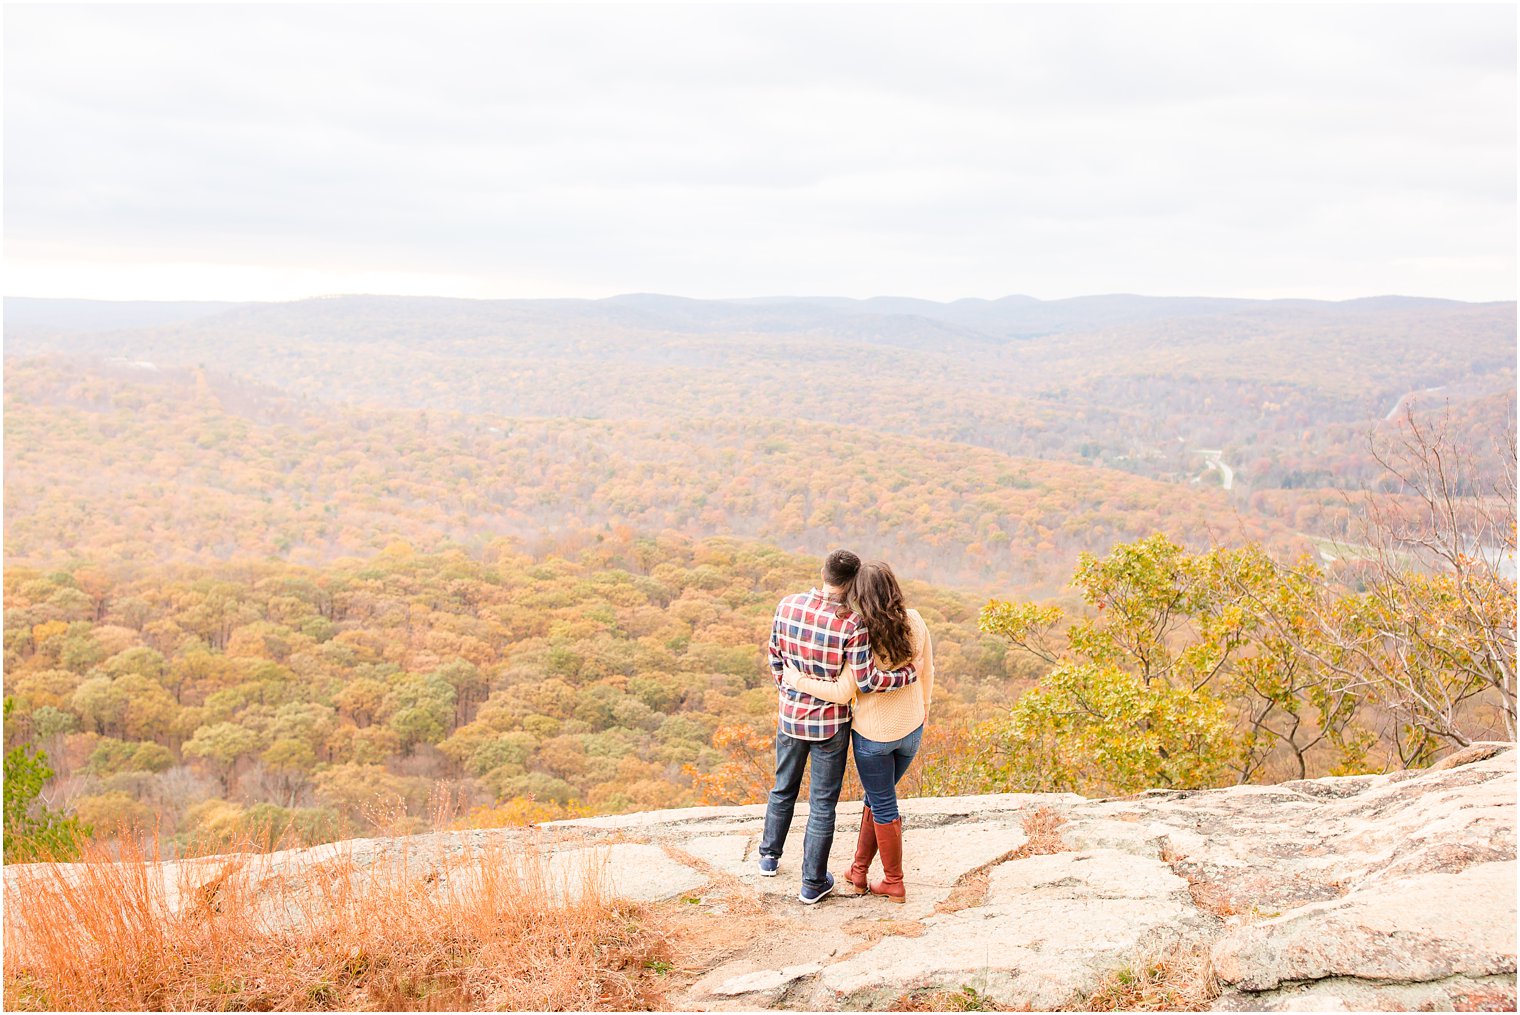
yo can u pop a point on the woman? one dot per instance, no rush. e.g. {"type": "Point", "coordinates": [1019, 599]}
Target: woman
{"type": "Point", "coordinates": [886, 725]}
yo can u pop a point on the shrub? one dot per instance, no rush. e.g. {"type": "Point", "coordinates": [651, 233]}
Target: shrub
{"type": "Point", "coordinates": [34, 831]}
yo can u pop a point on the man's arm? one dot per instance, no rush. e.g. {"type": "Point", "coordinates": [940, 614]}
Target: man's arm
{"type": "Point", "coordinates": [863, 670]}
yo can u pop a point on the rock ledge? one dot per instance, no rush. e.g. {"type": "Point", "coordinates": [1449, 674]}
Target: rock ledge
{"type": "Point", "coordinates": [1363, 893]}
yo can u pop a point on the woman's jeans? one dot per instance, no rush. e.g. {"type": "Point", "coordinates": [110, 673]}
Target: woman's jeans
{"type": "Point", "coordinates": [881, 765]}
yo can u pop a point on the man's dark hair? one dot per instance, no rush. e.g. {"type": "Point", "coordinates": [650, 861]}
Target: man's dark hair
{"type": "Point", "coordinates": [839, 568]}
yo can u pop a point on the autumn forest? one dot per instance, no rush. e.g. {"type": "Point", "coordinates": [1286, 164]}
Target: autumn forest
{"type": "Point", "coordinates": [290, 572]}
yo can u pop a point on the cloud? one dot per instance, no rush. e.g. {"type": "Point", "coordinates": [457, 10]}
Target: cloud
{"type": "Point", "coordinates": [942, 152]}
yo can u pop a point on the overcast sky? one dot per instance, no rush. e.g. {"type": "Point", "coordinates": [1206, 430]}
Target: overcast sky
{"type": "Point", "coordinates": [278, 152]}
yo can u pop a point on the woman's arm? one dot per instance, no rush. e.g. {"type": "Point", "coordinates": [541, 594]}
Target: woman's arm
{"type": "Point", "coordinates": [841, 692]}
{"type": "Point", "coordinates": [926, 668]}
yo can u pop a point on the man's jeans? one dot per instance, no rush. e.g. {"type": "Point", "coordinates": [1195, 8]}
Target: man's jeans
{"type": "Point", "coordinates": [828, 776]}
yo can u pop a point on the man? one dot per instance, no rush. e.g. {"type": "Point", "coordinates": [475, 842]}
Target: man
{"type": "Point", "coordinates": [817, 633]}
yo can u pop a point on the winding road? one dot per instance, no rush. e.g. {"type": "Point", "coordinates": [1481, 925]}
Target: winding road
{"type": "Point", "coordinates": [1215, 460]}
{"type": "Point", "coordinates": [1404, 398]}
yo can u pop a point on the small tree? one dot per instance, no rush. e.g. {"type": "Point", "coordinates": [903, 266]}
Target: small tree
{"type": "Point", "coordinates": [1421, 616]}
{"type": "Point", "coordinates": [34, 831]}
{"type": "Point", "coordinates": [1128, 703]}
{"type": "Point", "coordinates": [1096, 727]}
{"type": "Point", "coordinates": [223, 744]}
{"type": "Point", "coordinates": [1179, 677]}
{"type": "Point", "coordinates": [747, 772]}
{"type": "Point", "coordinates": [1442, 632]}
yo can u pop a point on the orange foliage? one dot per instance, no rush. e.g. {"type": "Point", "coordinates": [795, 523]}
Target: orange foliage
{"type": "Point", "coordinates": [519, 812]}
{"type": "Point", "coordinates": [747, 774]}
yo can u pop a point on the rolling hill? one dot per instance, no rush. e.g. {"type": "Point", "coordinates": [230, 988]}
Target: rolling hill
{"type": "Point", "coordinates": [127, 463]}
{"type": "Point", "coordinates": [1134, 383]}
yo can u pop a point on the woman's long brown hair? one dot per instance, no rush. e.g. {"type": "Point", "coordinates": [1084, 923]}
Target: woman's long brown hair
{"type": "Point", "coordinates": [877, 597]}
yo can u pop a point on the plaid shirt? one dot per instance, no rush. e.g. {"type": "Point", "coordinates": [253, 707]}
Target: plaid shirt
{"type": "Point", "coordinates": [820, 637]}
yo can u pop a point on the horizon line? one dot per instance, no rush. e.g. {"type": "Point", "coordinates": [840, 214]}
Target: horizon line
{"type": "Point", "coordinates": [768, 297]}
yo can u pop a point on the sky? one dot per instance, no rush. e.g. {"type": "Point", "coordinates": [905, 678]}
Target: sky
{"type": "Point", "coordinates": [264, 152]}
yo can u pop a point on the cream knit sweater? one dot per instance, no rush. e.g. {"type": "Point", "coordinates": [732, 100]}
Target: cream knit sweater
{"type": "Point", "coordinates": [882, 716]}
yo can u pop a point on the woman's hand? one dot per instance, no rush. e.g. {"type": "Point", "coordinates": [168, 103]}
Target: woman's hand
{"type": "Point", "coordinates": [790, 675]}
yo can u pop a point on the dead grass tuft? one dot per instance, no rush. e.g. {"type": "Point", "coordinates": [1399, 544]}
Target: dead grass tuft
{"type": "Point", "coordinates": [1042, 837]}
{"type": "Point", "coordinates": [1178, 979]}
{"type": "Point", "coordinates": [701, 941]}
{"type": "Point", "coordinates": [727, 921]}
{"type": "Point", "coordinates": [1499, 999]}
{"type": "Point", "coordinates": [1043, 826]}
{"type": "Point", "coordinates": [489, 929]}
{"type": "Point", "coordinates": [964, 999]}
{"type": "Point", "coordinates": [1206, 895]}
{"type": "Point", "coordinates": [734, 895]}
{"type": "Point", "coordinates": [1212, 898]}
{"type": "Point", "coordinates": [871, 931]}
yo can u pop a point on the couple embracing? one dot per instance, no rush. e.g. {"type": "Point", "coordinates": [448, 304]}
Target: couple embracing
{"type": "Point", "coordinates": [853, 665]}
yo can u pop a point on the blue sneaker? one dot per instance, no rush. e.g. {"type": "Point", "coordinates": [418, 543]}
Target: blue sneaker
{"type": "Point", "coordinates": [809, 900]}
{"type": "Point", "coordinates": [768, 865]}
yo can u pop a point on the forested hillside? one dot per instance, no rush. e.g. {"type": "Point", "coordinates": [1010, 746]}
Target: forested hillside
{"type": "Point", "coordinates": [246, 697]}
{"type": "Point", "coordinates": [167, 465]}
{"type": "Point", "coordinates": [326, 567]}
{"type": "Point", "coordinates": [1138, 384]}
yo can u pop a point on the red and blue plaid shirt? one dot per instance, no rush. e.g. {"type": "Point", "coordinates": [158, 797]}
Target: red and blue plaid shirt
{"type": "Point", "coordinates": [821, 637]}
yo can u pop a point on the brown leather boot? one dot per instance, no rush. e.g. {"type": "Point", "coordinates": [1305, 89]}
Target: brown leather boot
{"type": "Point", "coordinates": [889, 841]}
{"type": "Point", "coordinates": [858, 878]}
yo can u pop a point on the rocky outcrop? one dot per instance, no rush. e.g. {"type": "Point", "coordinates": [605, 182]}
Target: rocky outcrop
{"type": "Point", "coordinates": [1360, 893]}
{"type": "Point", "coordinates": [1050, 927]}
{"type": "Point", "coordinates": [1368, 892]}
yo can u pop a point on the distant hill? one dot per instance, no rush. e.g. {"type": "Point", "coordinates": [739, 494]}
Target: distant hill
{"type": "Point", "coordinates": [1011, 317]}
{"type": "Point", "coordinates": [1286, 390]}
{"type": "Point", "coordinates": [59, 315]}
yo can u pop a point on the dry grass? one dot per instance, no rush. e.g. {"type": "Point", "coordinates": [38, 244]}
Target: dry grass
{"type": "Point", "coordinates": [1492, 999]}
{"type": "Point", "coordinates": [1043, 826]}
{"type": "Point", "coordinates": [964, 999]}
{"type": "Point", "coordinates": [1176, 979]}
{"type": "Point", "coordinates": [736, 897]}
{"type": "Point", "coordinates": [702, 940]}
{"type": "Point", "coordinates": [1042, 831]}
{"type": "Point", "coordinates": [1179, 979]}
{"type": "Point", "coordinates": [871, 931]}
{"type": "Point", "coordinates": [727, 920]}
{"type": "Point", "coordinates": [1206, 895]}
{"type": "Point", "coordinates": [1212, 898]}
{"type": "Point", "coordinates": [495, 929]}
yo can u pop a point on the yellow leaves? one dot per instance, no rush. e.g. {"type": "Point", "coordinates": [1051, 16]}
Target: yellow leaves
{"type": "Point", "coordinates": [519, 812]}
{"type": "Point", "coordinates": [48, 630]}
{"type": "Point", "coordinates": [1100, 729]}
{"type": "Point", "coordinates": [1018, 622]}
{"type": "Point", "coordinates": [1179, 650]}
